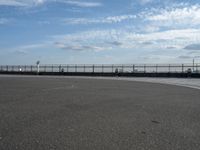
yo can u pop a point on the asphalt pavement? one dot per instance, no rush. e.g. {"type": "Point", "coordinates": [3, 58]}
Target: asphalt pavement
{"type": "Point", "coordinates": [89, 114]}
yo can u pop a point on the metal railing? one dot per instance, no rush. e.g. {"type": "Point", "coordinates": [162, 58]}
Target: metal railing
{"type": "Point", "coordinates": [123, 68]}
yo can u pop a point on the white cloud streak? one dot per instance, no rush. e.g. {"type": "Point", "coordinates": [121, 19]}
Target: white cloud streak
{"type": "Point", "coordinates": [110, 39]}
{"type": "Point", "coordinates": [30, 3]}
{"type": "Point", "coordinates": [81, 3]}
{"type": "Point", "coordinates": [109, 20]}
{"type": "Point", "coordinates": [21, 3]}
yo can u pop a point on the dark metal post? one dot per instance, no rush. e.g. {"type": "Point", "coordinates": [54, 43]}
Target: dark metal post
{"type": "Point", "coordinates": [182, 68]}
{"type": "Point", "coordinates": [67, 68]}
{"type": "Point", "coordinates": [144, 68]}
{"type": "Point", "coordinates": [60, 68]}
{"type": "Point", "coordinates": [196, 68]}
{"type": "Point", "coordinates": [156, 68]}
{"type": "Point", "coordinates": [75, 68]}
{"type": "Point", "coordinates": [112, 68]}
{"type": "Point", "coordinates": [93, 68]}
{"type": "Point", "coordinates": [193, 65]}
{"type": "Point", "coordinates": [102, 68]}
{"type": "Point", "coordinates": [133, 68]}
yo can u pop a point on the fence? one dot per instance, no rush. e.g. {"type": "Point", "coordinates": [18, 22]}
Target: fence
{"type": "Point", "coordinates": [137, 68]}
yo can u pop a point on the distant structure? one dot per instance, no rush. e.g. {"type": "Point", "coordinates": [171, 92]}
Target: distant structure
{"type": "Point", "coordinates": [38, 66]}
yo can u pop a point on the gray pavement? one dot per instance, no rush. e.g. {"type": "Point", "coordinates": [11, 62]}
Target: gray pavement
{"type": "Point", "coordinates": [46, 113]}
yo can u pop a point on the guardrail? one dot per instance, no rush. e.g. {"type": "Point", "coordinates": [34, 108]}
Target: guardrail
{"type": "Point", "coordinates": [123, 68]}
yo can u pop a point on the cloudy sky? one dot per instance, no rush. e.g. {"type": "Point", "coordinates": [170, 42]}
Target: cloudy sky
{"type": "Point", "coordinates": [99, 31]}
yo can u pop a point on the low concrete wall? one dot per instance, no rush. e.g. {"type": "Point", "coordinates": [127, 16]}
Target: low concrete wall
{"type": "Point", "coordinates": [177, 75]}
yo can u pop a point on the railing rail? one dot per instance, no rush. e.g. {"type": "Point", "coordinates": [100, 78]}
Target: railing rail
{"type": "Point", "coordinates": [106, 68]}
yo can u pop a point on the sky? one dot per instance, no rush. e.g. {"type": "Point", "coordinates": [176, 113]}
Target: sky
{"type": "Point", "coordinates": [99, 31]}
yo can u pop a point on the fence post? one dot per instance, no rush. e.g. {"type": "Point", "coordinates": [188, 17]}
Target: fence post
{"type": "Point", "coordinates": [102, 68]}
{"type": "Point", "coordinates": [67, 68]}
{"type": "Point", "coordinates": [156, 68]}
{"type": "Point", "coordinates": [133, 68]}
{"type": "Point", "coordinates": [169, 68]}
{"type": "Point", "coordinates": [182, 68]}
{"type": "Point", "coordinates": [75, 68]}
{"type": "Point", "coordinates": [93, 68]}
{"type": "Point", "coordinates": [112, 68]}
{"type": "Point", "coordinates": [196, 69]}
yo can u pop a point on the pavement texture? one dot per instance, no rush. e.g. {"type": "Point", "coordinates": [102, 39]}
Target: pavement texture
{"type": "Point", "coordinates": [38, 113]}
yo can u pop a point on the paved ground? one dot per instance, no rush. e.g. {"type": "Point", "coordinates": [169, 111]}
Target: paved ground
{"type": "Point", "coordinates": [71, 113]}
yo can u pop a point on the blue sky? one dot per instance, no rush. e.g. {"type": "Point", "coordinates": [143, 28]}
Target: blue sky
{"type": "Point", "coordinates": [99, 31]}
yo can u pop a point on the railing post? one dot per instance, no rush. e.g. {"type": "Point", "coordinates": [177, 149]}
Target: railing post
{"type": "Point", "coordinates": [93, 68]}
{"type": "Point", "coordinates": [169, 68]}
{"type": "Point", "coordinates": [67, 68]}
{"type": "Point", "coordinates": [84, 68]}
{"type": "Point", "coordinates": [60, 68]}
{"type": "Point", "coordinates": [102, 68]}
{"type": "Point", "coordinates": [112, 68]}
{"type": "Point", "coordinates": [75, 68]}
{"type": "Point", "coordinates": [52, 68]}
{"type": "Point", "coordinates": [196, 68]}
{"type": "Point", "coordinates": [144, 68]}
{"type": "Point", "coordinates": [156, 68]}
{"type": "Point", "coordinates": [182, 68]}
{"type": "Point", "coordinates": [133, 68]}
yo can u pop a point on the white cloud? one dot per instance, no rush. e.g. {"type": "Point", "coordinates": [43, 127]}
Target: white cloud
{"type": "Point", "coordinates": [111, 19]}
{"type": "Point", "coordinates": [29, 3]}
{"type": "Point", "coordinates": [81, 3]}
{"type": "Point", "coordinates": [80, 47]}
{"type": "Point", "coordinates": [124, 39]}
{"type": "Point", "coordinates": [175, 16]}
{"type": "Point", "coordinates": [21, 3]}
{"type": "Point", "coordinates": [12, 3]}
